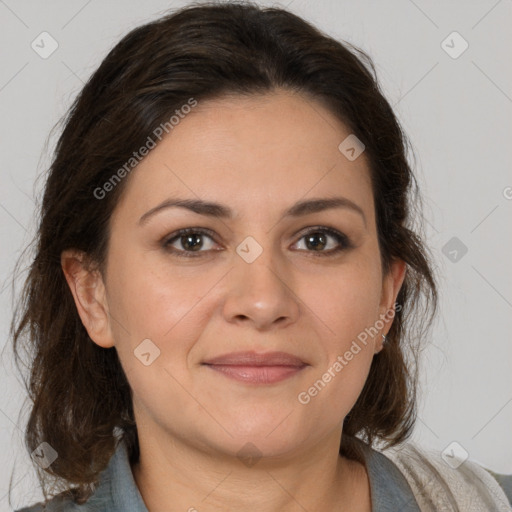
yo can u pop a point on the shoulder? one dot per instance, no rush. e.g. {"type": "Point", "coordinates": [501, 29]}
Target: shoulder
{"type": "Point", "coordinates": [56, 504]}
{"type": "Point", "coordinates": [442, 482]}
{"type": "Point", "coordinates": [99, 501]}
{"type": "Point", "coordinates": [114, 490]}
{"type": "Point", "coordinates": [505, 482]}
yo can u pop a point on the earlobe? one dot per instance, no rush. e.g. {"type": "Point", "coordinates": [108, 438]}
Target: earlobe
{"type": "Point", "coordinates": [88, 291]}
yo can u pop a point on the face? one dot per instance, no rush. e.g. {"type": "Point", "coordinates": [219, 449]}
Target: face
{"type": "Point", "coordinates": [256, 281]}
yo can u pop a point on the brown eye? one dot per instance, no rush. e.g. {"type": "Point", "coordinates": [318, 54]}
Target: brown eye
{"type": "Point", "coordinates": [188, 241]}
{"type": "Point", "coordinates": [318, 239]}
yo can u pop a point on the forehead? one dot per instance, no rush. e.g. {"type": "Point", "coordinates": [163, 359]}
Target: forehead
{"type": "Point", "coordinates": [254, 153]}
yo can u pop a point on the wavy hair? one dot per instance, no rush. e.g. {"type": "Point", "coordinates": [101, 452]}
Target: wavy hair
{"type": "Point", "coordinates": [79, 394]}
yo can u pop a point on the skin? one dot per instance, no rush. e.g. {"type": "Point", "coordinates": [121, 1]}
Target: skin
{"type": "Point", "coordinates": [258, 155]}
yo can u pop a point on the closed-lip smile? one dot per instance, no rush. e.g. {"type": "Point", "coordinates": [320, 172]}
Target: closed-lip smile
{"type": "Point", "coordinates": [257, 368]}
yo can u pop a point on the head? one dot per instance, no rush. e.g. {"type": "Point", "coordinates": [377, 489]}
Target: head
{"type": "Point", "coordinates": [255, 110]}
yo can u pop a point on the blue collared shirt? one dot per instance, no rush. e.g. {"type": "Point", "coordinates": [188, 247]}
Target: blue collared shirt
{"type": "Point", "coordinates": [118, 492]}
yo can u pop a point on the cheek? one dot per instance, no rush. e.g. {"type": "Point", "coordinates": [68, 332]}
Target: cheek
{"type": "Point", "coordinates": [349, 301]}
{"type": "Point", "coordinates": [155, 303]}
{"type": "Point", "coordinates": [152, 301]}
{"type": "Point", "coordinates": [159, 328]}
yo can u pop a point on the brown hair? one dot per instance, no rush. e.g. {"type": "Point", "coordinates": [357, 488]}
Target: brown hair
{"type": "Point", "coordinates": [79, 391]}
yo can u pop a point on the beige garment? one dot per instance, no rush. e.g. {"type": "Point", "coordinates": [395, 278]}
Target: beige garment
{"type": "Point", "coordinates": [438, 487]}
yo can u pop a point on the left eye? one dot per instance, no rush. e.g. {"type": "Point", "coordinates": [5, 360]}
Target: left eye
{"type": "Point", "coordinates": [191, 242]}
{"type": "Point", "coordinates": [318, 237]}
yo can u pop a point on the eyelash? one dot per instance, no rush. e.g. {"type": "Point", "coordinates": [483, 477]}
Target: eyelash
{"type": "Point", "coordinates": [342, 239]}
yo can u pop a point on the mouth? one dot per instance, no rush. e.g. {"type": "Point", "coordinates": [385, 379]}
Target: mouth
{"type": "Point", "coordinates": [251, 367]}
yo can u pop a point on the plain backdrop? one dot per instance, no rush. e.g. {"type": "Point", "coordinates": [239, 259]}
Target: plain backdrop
{"type": "Point", "coordinates": [456, 107]}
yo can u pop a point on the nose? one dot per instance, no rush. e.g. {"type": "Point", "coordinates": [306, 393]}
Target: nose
{"type": "Point", "coordinates": [260, 293]}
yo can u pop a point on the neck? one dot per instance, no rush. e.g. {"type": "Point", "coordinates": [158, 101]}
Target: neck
{"type": "Point", "coordinates": [176, 474]}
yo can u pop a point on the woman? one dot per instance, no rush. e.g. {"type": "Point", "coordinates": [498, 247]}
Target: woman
{"type": "Point", "coordinates": [227, 299]}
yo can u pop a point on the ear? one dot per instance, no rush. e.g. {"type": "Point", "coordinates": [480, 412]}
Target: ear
{"type": "Point", "coordinates": [89, 292]}
{"type": "Point", "coordinates": [391, 284]}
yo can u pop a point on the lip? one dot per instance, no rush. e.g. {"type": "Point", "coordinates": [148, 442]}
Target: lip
{"type": "Point", "coordinates": [256, 359]}
{"type": "Point", "coordinates": [251, 367]}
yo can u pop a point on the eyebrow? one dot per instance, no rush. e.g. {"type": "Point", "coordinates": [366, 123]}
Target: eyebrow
{"type": "Point", "coordinates": [221, 211]}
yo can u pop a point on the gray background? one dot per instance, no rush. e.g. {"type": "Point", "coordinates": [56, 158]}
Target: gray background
{"type": "Point", "coordinates": [457, 112]}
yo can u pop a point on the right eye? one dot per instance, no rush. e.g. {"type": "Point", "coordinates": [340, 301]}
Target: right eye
{"type": "Point", "coordinates": [190, 241]}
